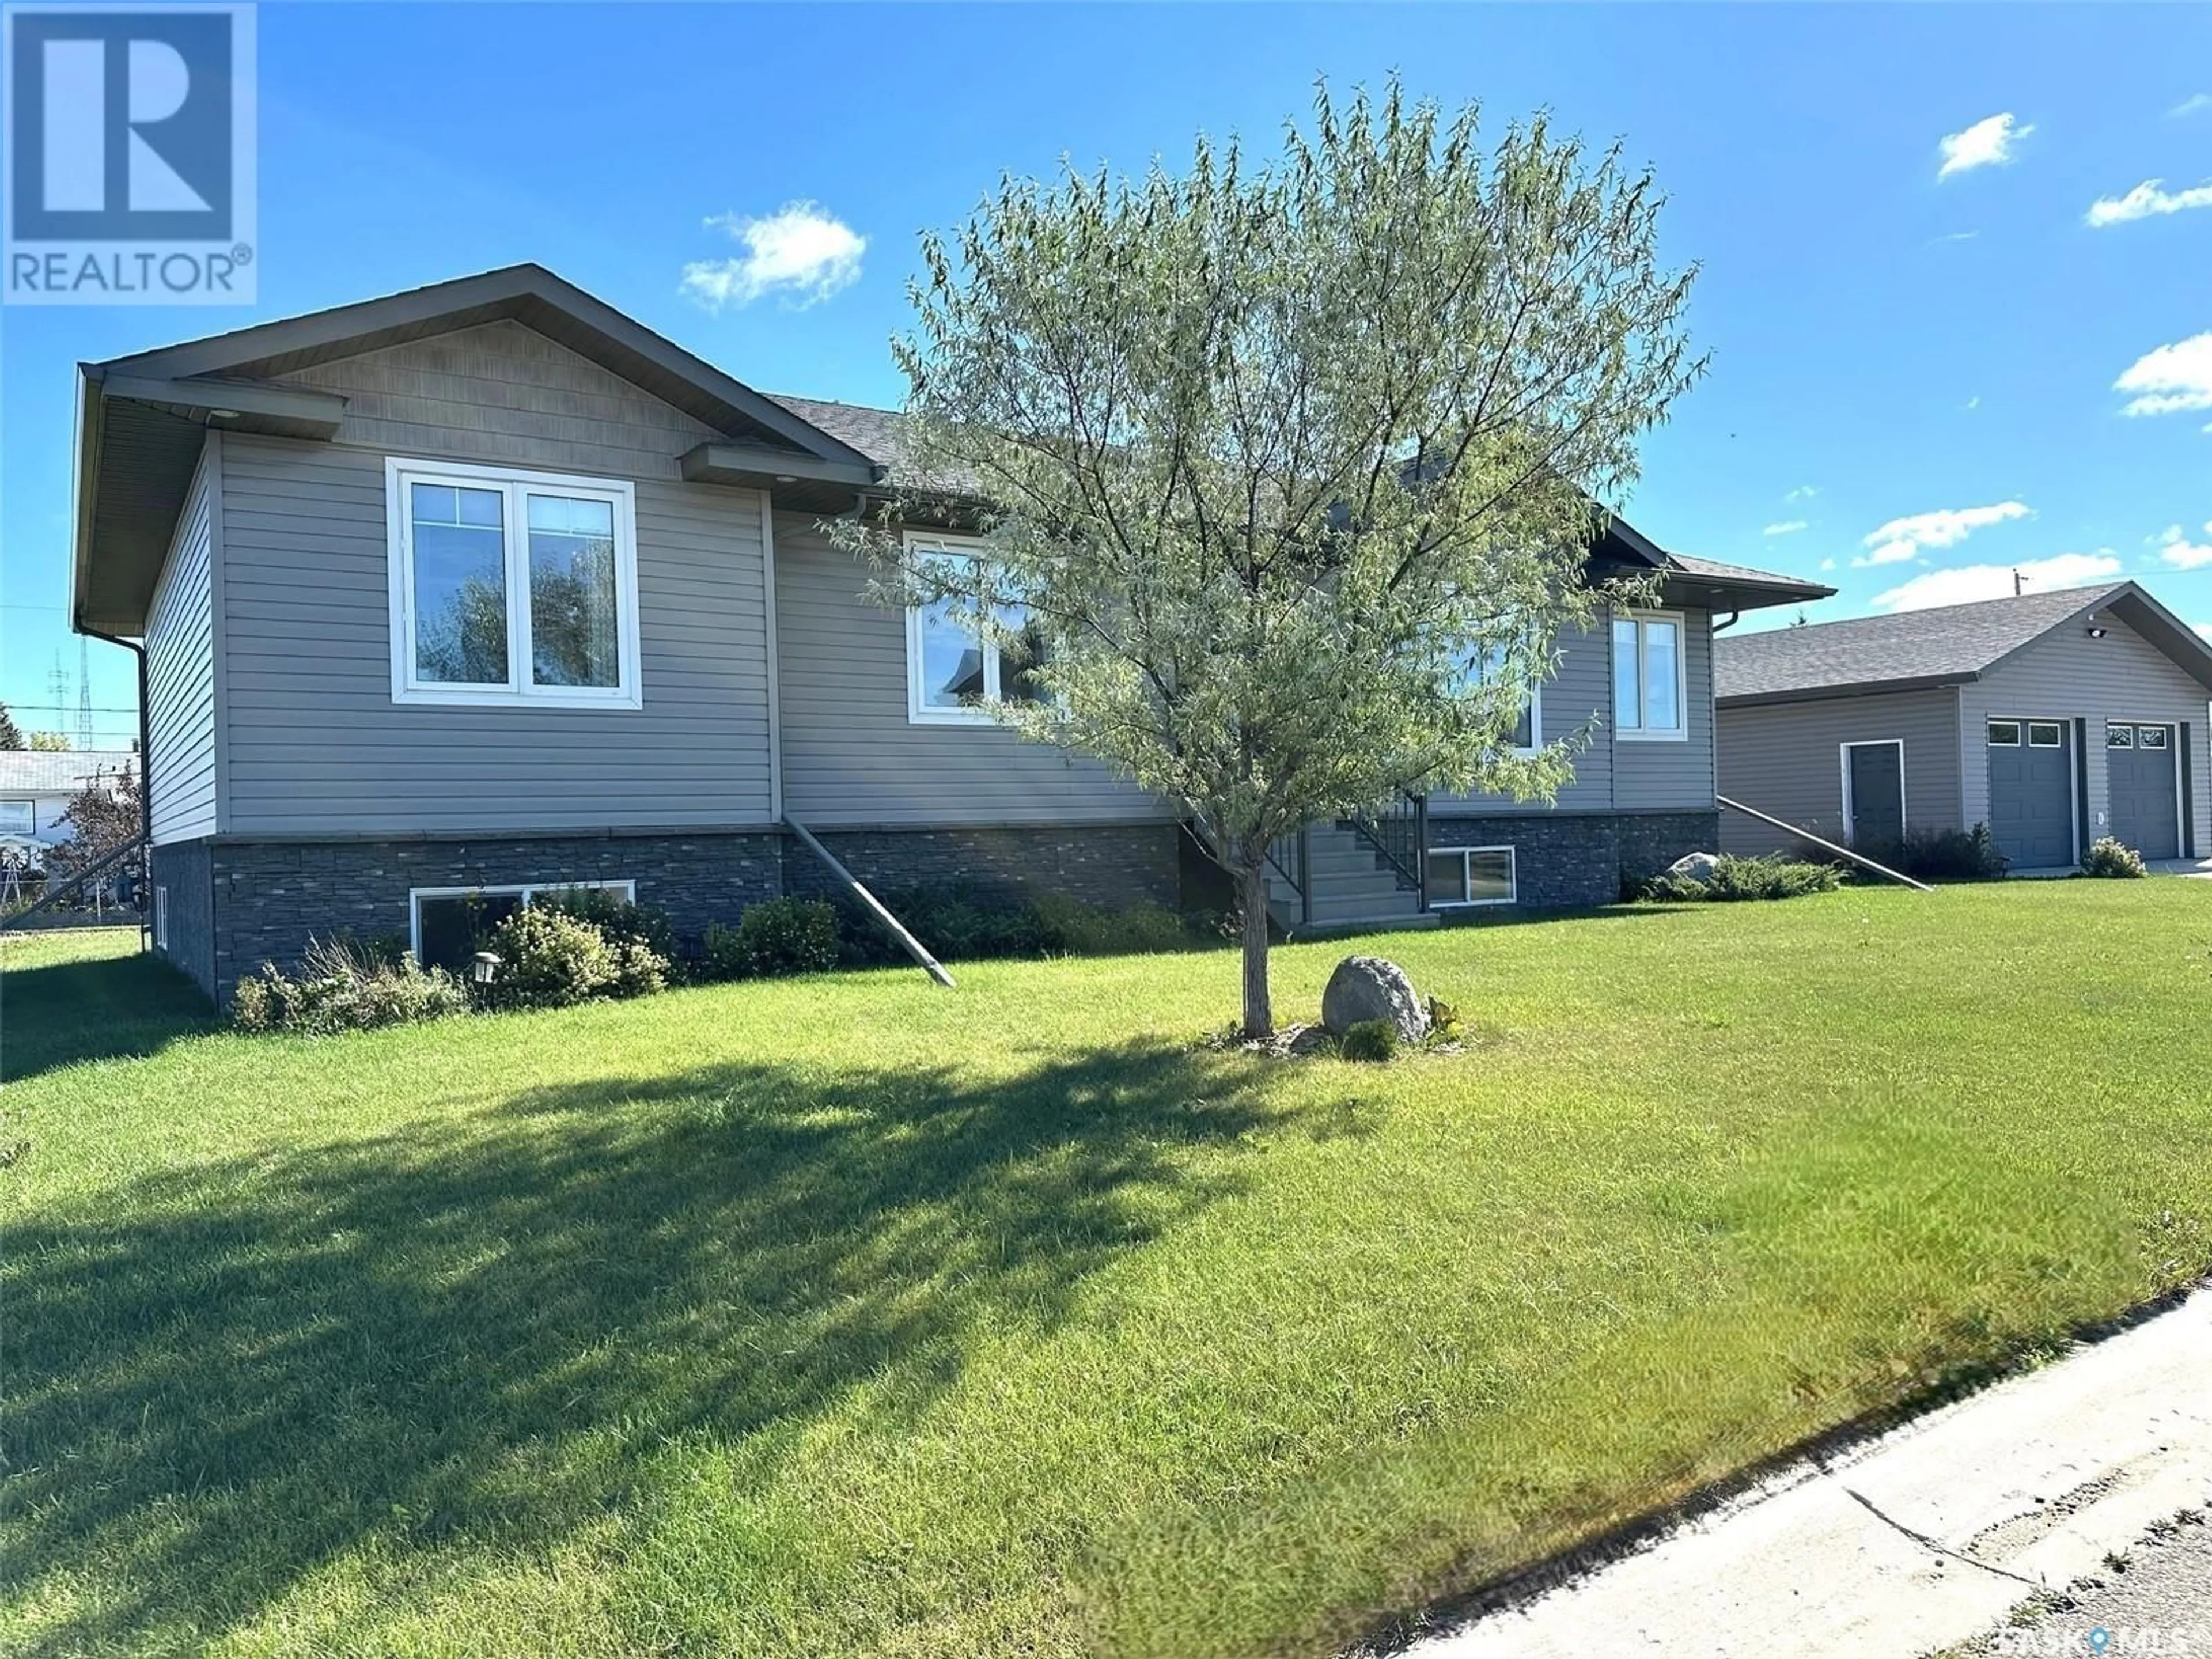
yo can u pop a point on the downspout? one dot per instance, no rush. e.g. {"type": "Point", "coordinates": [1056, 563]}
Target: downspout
{"type": "Point", "coordinates": [1734, 617]}
{"type": "Point", "coordinates": [145, 771]}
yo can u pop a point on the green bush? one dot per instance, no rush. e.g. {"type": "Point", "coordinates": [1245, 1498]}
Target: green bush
{"type": "Point", "coordinates": [551, 959]}
{"type": "Point", "coordinates": [1733, 878]}
{"type": "Point", "coordinates": [1074, 928]}
{"type": "Point", "coordinates": [343, 986]}
{"type": "Point", "coordinates": [2113, 860]}
{"type": "Point", "coordinates": [1941, 855]}
{"type": "Point", "coordinates": [619, 920]}
{"type": "Point", "coordinates": [1371, 1040]}
{"type": "Point", "coordinates": [778, 936]}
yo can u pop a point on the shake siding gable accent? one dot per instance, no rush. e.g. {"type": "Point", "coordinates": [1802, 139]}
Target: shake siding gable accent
{"type": "Point", "coordinates": [852, 758]}
{"type": "Point", "coordinates": [2066, 675]}
{"type": "Point", "coordinates": [501, 392]}
{"type": "Point", "coordinates": [181, 667]}
{"type": "Point", "coordinates": [315, 743]}
{"type": "Point", "coordinates": [1786, 759]}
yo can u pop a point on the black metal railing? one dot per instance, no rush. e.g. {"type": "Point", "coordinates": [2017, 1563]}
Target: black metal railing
{"type": "Point", "coordinates": [1398, 833]}
{"type": "Point", "coordinates": [1289, 857]}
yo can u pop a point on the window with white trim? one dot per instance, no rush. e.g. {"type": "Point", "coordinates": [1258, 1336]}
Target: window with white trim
{"type": "Point", "coordinates": [2119, 737]}
{"type": "Point", "coordinates": [1650, 690]}
{"type": "Point", "coordinates": [1463, 877]}
{"type": "Point", "coordinates": [510, 586]}
{"type": "Point", "coordinates": [19, 817]}
{"type": "Point", "coordinates": [1497, 662]}
{"type": "Point", "coordinates": [2004, 734]}
{"type": "Point", "coordinates": [2046, 734]}
{"type": "Point", "coordinates": [953, 674]}
{"type": "Point", "coordinates": [2150, 736]}
{"type": "Point", "coordinates": [444, 924]}
{"type": "Point", "coordinates": [161, 918]}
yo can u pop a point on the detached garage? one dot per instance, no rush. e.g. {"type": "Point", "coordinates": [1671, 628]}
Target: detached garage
{"type": "Point", "coordinates": [2054, 718]}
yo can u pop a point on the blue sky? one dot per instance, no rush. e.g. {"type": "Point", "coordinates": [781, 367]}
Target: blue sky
{"type": "Point", "coordinates": [1931, 373]}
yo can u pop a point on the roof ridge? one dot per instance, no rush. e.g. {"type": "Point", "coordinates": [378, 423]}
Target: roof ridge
{"type": "Point", "coordinates": [1883, 618]}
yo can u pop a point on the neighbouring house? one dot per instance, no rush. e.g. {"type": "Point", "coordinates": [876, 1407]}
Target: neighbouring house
{"type": "Point", "coordinates": [38, 785]}
{"type": "Point", "coordinates": [457, 595]}
{"type": "Point", "coordinates": [2056, 719]}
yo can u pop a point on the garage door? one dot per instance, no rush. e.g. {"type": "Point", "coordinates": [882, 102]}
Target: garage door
{"type": "Point", "coordinates": [2139, 760]}
{"type": "Point", "coordinates": [2031, 793]}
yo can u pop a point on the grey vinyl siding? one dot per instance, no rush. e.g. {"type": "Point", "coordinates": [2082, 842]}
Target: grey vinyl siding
{"type": "Point", "coordinates": [1578, 697]}
{"type": "Point", "coordinates": [1786, 759]}
{"type": "Point", "coordinates": [1658, 776]}
{"type": "Point", "coordinates": [501, 392]}
{"type": "Point", "coordinates": [851, 758]}
{"type": "Point", "coordinates": [181, 668]}
{"type": "Point", "coordinates": [314, 741]}
{"type": "Point", "coordinates": [2066, 675]}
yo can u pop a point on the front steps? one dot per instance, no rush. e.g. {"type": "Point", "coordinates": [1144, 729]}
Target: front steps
{"type": "Point", "coordinates": [1354, 891]}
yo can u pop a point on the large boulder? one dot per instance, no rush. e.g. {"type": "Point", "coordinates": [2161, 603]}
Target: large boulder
{"type": "Point", "coordinates": [1696, 867]}
{"type": "Point", "coordinates": [1367, 988]}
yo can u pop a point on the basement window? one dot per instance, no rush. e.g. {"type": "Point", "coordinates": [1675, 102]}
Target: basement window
{"type": "Point", "coordinates": [445, 926]}
{"type": "Point", "coordinates": [511, 587]}
{"type": "Point", "coordinates": [1463, 877]}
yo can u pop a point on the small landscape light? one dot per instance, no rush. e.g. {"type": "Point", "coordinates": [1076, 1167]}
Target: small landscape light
{"type": "Point", "coordinates": [486, 968]}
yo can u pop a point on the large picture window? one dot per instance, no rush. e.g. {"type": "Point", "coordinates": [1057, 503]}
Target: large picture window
{"type": "Point", "coordinates": [1650, 695]}
{"type": "Point", "coordinates": [511, 587]}
{"type": "Point", "coordinates": [952, 673]}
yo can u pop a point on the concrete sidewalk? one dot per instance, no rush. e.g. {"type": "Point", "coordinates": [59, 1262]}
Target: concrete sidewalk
{"type": "Point", "coordinates": [1917, 1541]}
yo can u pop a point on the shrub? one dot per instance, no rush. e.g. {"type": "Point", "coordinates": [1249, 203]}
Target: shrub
{"type": "Point", "coordinates": [1942, 856]}
{"type": "Point", "coordinates": [1370, 1039]}
{"type": "Point", "coordinates": [620, 920]}
{"type": "Point", "coordinates": [1735, 878]}
{"type": "Point", "coordinates": [551, 959]}
{"type": "Point", "coordinates": [1089, 930]}
{"type": "Point", "coordinates": [778, 936]}
{"type": "Point", "coordinates": [343, 986]}
{"type": "Point", "coordinates": [2114, 860]}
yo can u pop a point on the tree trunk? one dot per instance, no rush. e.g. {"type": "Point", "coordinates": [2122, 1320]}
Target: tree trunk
{"type": "Point", "coordinates": [1259, 1014]}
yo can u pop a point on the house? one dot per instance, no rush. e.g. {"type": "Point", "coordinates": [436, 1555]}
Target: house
{"type": "Point", "coordinates": [38, 785]}
{"type": "Point", "coordinates": [2055, 717]}
{"type": "Point", "coordinates": [467, 593]}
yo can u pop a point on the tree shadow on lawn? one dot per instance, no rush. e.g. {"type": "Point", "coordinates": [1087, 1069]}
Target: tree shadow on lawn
{"type": "Point", "coordinates": [472, 1333]}
{"type": "Point", "coordinates": [61, 1012]}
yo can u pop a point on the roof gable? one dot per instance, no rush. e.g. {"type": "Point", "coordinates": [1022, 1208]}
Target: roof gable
{"type": "Point", "coordinates": [1949, 645]}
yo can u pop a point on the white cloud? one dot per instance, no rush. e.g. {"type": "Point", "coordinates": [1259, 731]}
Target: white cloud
{"type": "Point", "coordinates": [2205, 628]}
{"type": "Point", "coordinates": [1987, 142]}
{"type": "Point", "coordinates": [1959, 236]}
{"type": "Point", "coordinates": [2171, 379]}
{"type": "Point", "coordinates": [2175, 549]}
{"type": "Point", "coordinates": [1902, 540]}
{"type": "Point", "coordinates": [2195, 104]}
{"type": "Point", "coordinates": [1787, 527]}
{"type": "Point", "coordinates": [1802, 492]}
{"type": "Point", "coordinates": [1995, 582]}
{"type": "Point", "coordinates": [1828, 564]}
{"type": "Point", "coordinates": [2146, 199]}
{"type": "Point", "coordinates": [799, 250]}
{"type": "Point", "coordinates": [1972, 403]}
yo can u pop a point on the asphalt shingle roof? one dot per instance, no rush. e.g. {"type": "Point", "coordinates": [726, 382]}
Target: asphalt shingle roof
{"type": "Point", "coordinates": [1952, 641]}
{"type": "Point", "coordinates": [56, 771]}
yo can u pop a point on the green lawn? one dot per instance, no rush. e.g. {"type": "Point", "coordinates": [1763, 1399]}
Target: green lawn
{"type": "Point", "coordinates": [853, 1316]}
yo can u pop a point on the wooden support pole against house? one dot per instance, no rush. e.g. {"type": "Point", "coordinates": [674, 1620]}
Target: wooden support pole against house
{"type": "Point", "coordinates": [1825, 846]}
{"type": "Point", "coordinates": [912, 945]}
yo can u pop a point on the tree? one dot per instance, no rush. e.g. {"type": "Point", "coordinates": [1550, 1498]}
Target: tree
{"type": "Point", "coordinates": [54, 742]}
{"type": "Point", "coordinates": [106, 814]}
{"type": "Point", "coordinates": [11, 735]}
{"type": "Point", "coordinates": [1288, 474]}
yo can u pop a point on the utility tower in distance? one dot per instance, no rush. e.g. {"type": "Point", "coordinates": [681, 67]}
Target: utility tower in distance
{"type": "Point", "coordinates": [83, 693]}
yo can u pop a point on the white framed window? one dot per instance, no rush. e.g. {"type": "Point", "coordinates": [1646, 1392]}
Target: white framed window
{"type": "Point", "coordinates": [2119, 737]}
{"type": "Point", "coordinates": [952, 673]}
{"type": "Point", "coordinates": [2004, 734]}
{"type": "Point", "coordinates": [1651, 676]}
{"type": "Point", "coordinates": [19, 817]}
{"type": "Point", "coordinates": [511, 587]}
{"type": "Point", "coordinates": [2046, 734]}
{"type": "Point", "coordinates": [443, 923]}
{"type": "Point", "coordinates": [2151, 737]}
{"type": "Point", "coordinates": [1494, 663]}
{"type": "Point", "coordinates": [1463, 877]}
{"type": "Point", "coordinates": [161, 918]}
